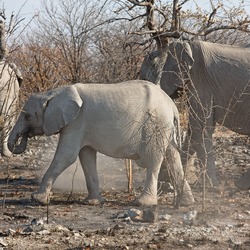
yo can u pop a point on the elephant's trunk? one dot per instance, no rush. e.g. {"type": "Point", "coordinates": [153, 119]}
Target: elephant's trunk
{"type": "Point", "coordinates": [18, 144]}
{"type": "Point", "coordinates": [18, 137]}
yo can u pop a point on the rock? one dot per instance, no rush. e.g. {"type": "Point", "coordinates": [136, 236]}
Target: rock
{"type": "Point", "coordinates": [37, 222]}
{"type": "Point", "coordinates": [146, 214]}
{"type": "Point", "coordinates": [3, 243]}
{"type": "Point", "coordinates": [44, 232]}
{"type": "Point", "coordinates": [239, 217]}
{"type": "Point", "coordinates": [152, 246]}
{"type": "Point", "coordinates": [135, 213]}
{"type": "Point", "coordinates": [165, 217]}
{"type": "Point", "coordinates": [235, 243]}
{"type": "Point", "coordinates": [11, 231]}
{"type": "Point", "coordinates": [190, 216]}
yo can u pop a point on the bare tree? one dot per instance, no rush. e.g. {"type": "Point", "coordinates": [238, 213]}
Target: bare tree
{"type": "Point", "coordinates": [219, 21]}
{"type": "Point", "coordinates": [68, 25]}
{"type": "Point", "coordinates": [118, 53]}
{"type": "Point", "coordinates": [40, 62]}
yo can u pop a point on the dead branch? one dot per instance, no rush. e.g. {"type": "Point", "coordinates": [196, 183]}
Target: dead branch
{"type": "Point", "coordinates": [208, 22]}
{"type": "Point", "coordinates": [3, 50]}
{"type": "Point", "coordinates": [176, 16]}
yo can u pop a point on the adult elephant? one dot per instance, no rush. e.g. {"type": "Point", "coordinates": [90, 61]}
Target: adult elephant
{"type": "Point", "coordinates": [127, 120]}
{"type": "Point", "coordinates": [10, 81]}
{"type": "Point", "coordinates": [217, 81]}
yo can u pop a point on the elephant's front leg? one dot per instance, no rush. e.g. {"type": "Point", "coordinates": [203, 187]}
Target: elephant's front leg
{"type": "Point", "coordinates": [244, 181]}
{"type": "Point", "coordinates": [87, 157]}
{"type": "Point", "coordinates": [201, 142]}
{"type": "Point", "coordinates": [201, 129]}
{"type": "Point", "coordinates": [66, 154]}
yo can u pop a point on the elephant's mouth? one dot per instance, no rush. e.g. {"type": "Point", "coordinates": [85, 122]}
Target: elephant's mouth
{"type": "Point", "coordinates": [34, 132]}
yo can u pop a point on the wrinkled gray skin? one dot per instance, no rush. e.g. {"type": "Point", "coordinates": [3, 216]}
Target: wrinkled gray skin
{"type": "Point", "coordinates": [219, 91]}
{"type": "Point", "coordinates": [10, 80]}
{"type": "Point", "coordinates": [126, 120]}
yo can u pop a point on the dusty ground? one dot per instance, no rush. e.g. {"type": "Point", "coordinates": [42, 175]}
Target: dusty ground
{"type": "Point", "coordinates": [225, 224]}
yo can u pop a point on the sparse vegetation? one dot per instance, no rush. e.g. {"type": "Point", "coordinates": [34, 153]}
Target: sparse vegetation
{"type": "Point", "coordinates": [105, 41]}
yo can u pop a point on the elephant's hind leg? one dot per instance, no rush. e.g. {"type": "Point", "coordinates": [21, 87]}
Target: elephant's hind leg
{"type": "Point", "coordinates": [244, 181]}
{"type": "Point", "coordinates": [174, 170]}
{"type": "Point", "coordinates": [148, 196]}
{"type": "Point", "coordinates": [87, 157]}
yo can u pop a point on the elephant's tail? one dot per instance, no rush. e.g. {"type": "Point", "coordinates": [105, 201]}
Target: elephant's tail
{"type": "Point", "coordinates": [177, 132]}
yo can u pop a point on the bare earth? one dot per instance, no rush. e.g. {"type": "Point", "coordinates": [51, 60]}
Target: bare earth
{"type": "Point", "coordinates": [69, 224]}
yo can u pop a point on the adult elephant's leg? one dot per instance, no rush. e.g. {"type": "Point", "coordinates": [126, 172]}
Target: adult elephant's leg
{"type": "Point", "coordinates": [173, 165]}
{"type": "Point", "coordinates": [201, 128]}
{"type": "Point", "coordinates": [186, 151]}
{"type": "Point", "coordinates": [87, 157]}
{"type": "Point", "coordinates": [244, 182]}
{"type": "Point", "coordinates": [65, 155]}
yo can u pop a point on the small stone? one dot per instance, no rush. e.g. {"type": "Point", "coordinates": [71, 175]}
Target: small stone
{"type": "Point", "coordinates": [11, 231]}
{"type": "Point", "coordinates": [165, 217]}
{"type": "Point", "coordinates": [239, 217]}
{"type": "Point", "coordinates": [190, 216]}
{"type": "Point", "coordinates": [27, 230]}
{"type": "Point", "coordinates": [133, 212]}
{"type": "Point", "coordinates": [43, 232]}
{"type": "Point", "coordinates": [152, 246]}
{"type": "Point", "coordinates": [37, 222]}
{"type": "Point", "coordinates": [3, 243]}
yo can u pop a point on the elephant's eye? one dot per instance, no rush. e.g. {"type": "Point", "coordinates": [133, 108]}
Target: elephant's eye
{"type": "Point", "coordinates": [27, 117]}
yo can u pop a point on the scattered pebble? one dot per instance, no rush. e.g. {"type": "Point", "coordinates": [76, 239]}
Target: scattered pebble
{"type": "Point", "coordinates": [190, 216]}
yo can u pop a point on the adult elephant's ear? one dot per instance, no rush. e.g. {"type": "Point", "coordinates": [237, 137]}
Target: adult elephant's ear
{"type": "Point", "coordinates": [188, 55]}
{"type": "Point", "coordinates": [61, 109]}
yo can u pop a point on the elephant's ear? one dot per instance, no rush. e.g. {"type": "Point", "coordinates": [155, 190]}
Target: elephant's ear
{"type": "Point", "coordinates": [17, 72]}
{"type": "Point", "coordinates": [61, 109]}
{"type": "Point", "coordinates": [188, 55]}
{"type": "Point", "coordinates": [153, 55]}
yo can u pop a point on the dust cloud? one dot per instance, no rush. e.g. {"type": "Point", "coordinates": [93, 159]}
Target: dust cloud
{"type": "Point", "coordinates": [111, 171]}
{"type": "Point", "coordinates": [112, 176]}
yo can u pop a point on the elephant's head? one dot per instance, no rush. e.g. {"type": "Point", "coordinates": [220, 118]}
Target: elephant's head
{"type": "Point", "coordinates": [176, 70]}
{"type": "Point", "coordinates": [46, 113]}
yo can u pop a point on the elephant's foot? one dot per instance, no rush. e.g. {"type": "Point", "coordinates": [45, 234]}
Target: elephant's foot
{"type": "Point", "coordinates": [146, 200]}
{"type": "Point", "coordinates": [244, 182]}
{"type": "Point", "coordinates": [90, 200]}
{"type": "Point", "coordinates": [42, 198]}
{"type": "Point", "coordinates": [213, 181]}
{"type": "Point", "coordinates": [187, 199]}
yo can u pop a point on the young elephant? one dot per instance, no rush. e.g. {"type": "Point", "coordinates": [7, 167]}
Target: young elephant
{"type": "Point", "coordinates": [126, 120]}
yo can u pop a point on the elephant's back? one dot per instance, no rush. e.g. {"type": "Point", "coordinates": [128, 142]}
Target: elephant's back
{"type": "Point", "coordinates": [223, 71]}
{"type": "Point", "coordinates": [129, 93]}
{"type": "Point", "coordinates": [128, 100]}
